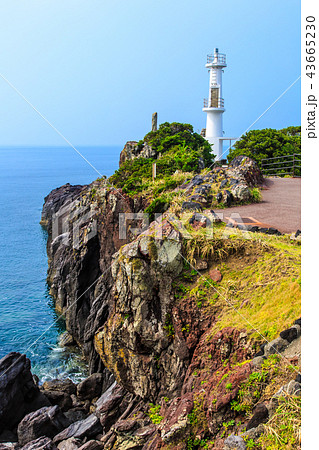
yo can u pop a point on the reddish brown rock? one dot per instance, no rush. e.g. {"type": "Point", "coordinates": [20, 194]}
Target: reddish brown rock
{"type": "Point", "coordinates": [176, 419]}
{"type": "Point", "coordinates": [92, 445]}
{"type": "Point", "coordinates": [215, 275]}
{"type": "Point", "coordinates": [47, 421]}
{"type": "Point", "coordinates": [42, 443]}
{"type": "Point", "coordinates": [215, 375]}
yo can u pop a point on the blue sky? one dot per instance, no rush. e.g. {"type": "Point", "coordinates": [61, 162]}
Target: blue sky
{"type": "Point", "coordinates": [98, 69]}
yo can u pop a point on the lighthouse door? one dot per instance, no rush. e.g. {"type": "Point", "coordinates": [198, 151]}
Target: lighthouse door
{"type": "Point", "coordinates": [214, 94]}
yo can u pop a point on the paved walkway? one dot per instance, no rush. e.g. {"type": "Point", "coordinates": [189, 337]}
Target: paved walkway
{"type": "Point", "coordinates": [280, 207]}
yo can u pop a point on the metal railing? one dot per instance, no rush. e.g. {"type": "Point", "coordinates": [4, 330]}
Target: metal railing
{"type": "Point", "coordinates": [214, 103]}
{"type": "Point", "coordinates": [217, 58]}
{"type": "Point", "coordinates": [282, 165]}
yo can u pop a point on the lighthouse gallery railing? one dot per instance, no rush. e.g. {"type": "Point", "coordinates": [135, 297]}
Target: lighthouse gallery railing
{"type": "Point", "coordinates": [215, 103]}
{"type": "Point", "coordinates": [219, 58]}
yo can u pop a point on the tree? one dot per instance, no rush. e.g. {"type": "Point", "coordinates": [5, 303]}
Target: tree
{"type": "Point", "coordinates": [178, 148]}
{"type": "Point", "coordinates": [171, 135]}
{"type": "Point", "coordinates": [268, 143]}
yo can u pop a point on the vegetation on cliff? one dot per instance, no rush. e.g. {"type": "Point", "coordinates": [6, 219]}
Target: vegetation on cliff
{"type": "Point", "coordinates": [178, 149]}
{"type": "Point", "coordinates": [268, 143]}
{"type": "Point", "coordinates": [184, 172]}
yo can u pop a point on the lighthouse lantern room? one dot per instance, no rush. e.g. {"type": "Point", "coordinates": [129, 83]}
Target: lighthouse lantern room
{"type": "Point", "coordinates": [214, 105]}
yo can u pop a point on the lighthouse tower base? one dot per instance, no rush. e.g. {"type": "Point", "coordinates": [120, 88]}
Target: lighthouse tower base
{"type": "Point", "coordinates": [217, 146]}
{"type": "Point", "coordinates": [214, 130]}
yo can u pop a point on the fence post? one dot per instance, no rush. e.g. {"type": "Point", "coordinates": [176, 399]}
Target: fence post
{"type": "Point", "coordinates": [153, 171]}
{"type": "Point", "coordinates": [293, 167]}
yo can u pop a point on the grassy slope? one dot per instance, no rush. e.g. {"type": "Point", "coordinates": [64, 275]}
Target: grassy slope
{"type": "Point", "coordinates": [261, 279]}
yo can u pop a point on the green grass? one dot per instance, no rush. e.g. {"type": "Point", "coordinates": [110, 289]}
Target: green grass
{"type": "Point", "coordinates": [255, 195]}
{"type": "Point", "coordinates": [283, 430]}
{"type": "Point", "coordinates": [154, 415]}
{"type": "Point", "coordinates": [266, 293]}
{"type": "Point", "coordinates": [263, 383]}
{"type": "Point", "coordinates": [261, 279]}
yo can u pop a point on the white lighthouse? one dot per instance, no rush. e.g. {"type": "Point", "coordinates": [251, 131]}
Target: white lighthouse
{"type": "Point", "coordinates": [214, 105]}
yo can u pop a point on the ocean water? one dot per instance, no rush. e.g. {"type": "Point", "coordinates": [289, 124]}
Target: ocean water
{"type": "Point", "coordinates": [28, 322]}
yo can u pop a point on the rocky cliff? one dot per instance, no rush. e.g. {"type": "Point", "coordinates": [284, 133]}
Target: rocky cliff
{"type": "Point", "coordinates": [150, 309]}
{"type": "Point", "coordinates": [179, 320]}
{"type": "Point", "coordinates": [83, 235]}
{"type": "Point", "coordinates": [133, 149]}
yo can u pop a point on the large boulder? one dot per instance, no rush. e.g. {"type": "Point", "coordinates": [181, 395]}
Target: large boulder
{"type": "Point", "coordinates": [91, 387]}
{"type": "Point", "coordinates": [228, 184]}
{"type": "Point", "coordinates": [243, 166]}
{"type": "Point", "coordinates": [42, 443]}
{"type": "Point", "coordinates": [275, 346]}
{"type": "Point", "coordinates": [70, 444]}
{"type": "Point", "coordinates": [66, 386]}
{"type": "Point", "coordinates": [241, 192]}
{"type": "Point", "coordinates": [89, 427]}
{"type": "Point", "coordinates": [108, 405]}
{"type": "Point", "coordinates": [291, 333]}
{"type": "Point", "coordinates": [47, 421]}
{"type": "Point", "coordinates": [59, 392]}
{"type": "Point", "coordinates": [18, 392]}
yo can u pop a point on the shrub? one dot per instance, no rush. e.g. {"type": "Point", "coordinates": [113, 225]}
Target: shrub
{"type": "Point", "coordinates": [154, 414]}
{"type": "Point", "coordinates": [179, 149]}
{"type": "Point", "coordinates": [268, 143]}
{"type": "Point", "coordinates": [158, 205]}
{"type": "Point", "coordinates": [255, 195]}
{"type": "Point", "coordinates": [175, 134]}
